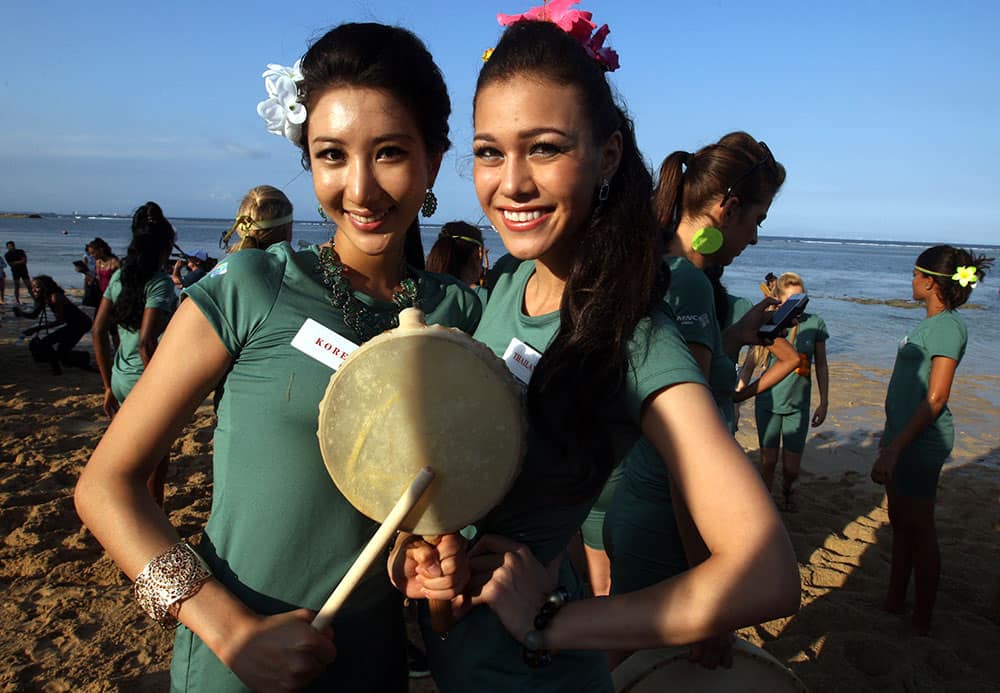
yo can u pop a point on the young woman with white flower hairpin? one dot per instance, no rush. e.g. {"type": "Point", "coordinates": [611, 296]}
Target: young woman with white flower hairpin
{"type": "Point", "coordinates": [919, 432]}
{"type": "Point", "coordinates": [558, 173]}
{"type": "Point", "coordinates": [369, 109]}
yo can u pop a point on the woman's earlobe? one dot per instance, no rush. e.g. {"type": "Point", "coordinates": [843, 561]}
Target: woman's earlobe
{"type": "Point", "coordinates": [612, 155]}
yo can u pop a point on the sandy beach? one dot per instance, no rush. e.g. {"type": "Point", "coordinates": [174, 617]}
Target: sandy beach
{"type": "Point", "coordinates": [70, 623]}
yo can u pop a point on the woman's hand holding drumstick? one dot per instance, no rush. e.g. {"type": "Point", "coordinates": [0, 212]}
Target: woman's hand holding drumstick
{"type": "Point", "coordinates": [422, 569]}
{"type": "Point", "coordinates": [433, 568]}
{"type": "Point", "coordinates": [374, 547]}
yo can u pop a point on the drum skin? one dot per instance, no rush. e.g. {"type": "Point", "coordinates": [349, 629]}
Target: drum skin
{"type": "Point", "coordinates": [421, 396]}
{"type": "Point", "coordinates": [668, 670]}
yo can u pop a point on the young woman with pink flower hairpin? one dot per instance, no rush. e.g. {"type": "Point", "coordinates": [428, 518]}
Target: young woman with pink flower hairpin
{"type": "Point", "coordinates": [369, 110]}
{"type": "Point", "coordinates": [559, 175]}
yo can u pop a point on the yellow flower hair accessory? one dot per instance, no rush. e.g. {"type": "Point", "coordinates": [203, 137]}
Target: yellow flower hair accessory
{"type": "Point", "coordinates": [966, 276]}
{"type": "Point", "coordinates": [487, 54]}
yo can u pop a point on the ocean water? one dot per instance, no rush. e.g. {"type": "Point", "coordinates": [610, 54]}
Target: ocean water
{"type": "Point", "coordinates": [836, 274]}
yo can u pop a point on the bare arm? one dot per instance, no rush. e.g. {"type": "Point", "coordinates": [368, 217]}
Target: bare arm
{"type": "Point", "coordinates": [176, 275]}
{"type": "Point", "coordinates": [938, 391]}
{"type": "Point", "coordinates": [101, 333]}
{"type": "Point", "coordinates": [153, 320]}
{"type": "Point", "coordinates": [750, 575]}
{"type": "Point", "coordinates": [787, 361]}
{"type": "Point", "coordinates": [822, 383]}
{"type": "Point", "coordinates": [112, 500]}
{"type": "Point", "coordinates": [744, 330]}
{"type": "Point", "coordinates": [747, 369]}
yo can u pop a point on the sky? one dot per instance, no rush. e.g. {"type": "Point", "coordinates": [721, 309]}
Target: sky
{"type": "Point", "coordinates": [884, 113]}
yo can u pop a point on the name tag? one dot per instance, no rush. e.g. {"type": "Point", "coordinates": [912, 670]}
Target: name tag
{"type": "Point", "coordinates": [521, 360]}
{"type": "Point", "coordinates": [323, 344]}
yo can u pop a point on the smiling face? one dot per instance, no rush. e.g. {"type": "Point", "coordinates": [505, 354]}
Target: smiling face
{"type": "Point", "coordinates": [536, 166]}
{"type": "Point", "coordinates": [370, 168]}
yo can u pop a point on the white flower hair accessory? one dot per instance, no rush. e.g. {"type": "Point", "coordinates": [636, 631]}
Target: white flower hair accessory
{"type": "Point", "coordinates": [281, 110]}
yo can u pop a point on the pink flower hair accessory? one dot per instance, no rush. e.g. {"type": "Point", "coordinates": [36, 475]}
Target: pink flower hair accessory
{"type": "Point", "coordinates": [576, 23]}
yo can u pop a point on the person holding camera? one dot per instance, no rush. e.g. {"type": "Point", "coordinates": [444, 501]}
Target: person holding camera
{"type": "Point", "coordinates": [195, 263]}
{"type": "Point", "coordinates": [782, 413]}
{"type": "Point", "coordinates": [56, 347]}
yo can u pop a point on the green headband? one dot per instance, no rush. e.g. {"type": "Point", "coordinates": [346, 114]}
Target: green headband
{"type": "Point", "coordinates": [461, 238]}
{"type": "Point", "coordinates": [964, 275]}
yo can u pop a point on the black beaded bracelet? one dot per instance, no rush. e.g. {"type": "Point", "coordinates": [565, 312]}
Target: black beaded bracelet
{"type": "Point", "coordinates": [533, 653]}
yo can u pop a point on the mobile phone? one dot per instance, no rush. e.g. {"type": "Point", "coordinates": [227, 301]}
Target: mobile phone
{"type": "Point", "coordinates": [783, 318]}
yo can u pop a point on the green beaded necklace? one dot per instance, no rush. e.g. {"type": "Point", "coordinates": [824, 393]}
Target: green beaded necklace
{"type": "Point", "coordinates": [365, 322]}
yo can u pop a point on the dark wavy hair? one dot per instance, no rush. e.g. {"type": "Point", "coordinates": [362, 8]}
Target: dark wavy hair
{"type": "Point", "coordinates": [690, 183]}
{"type": "Point", "coordinates": [614, 279]}
{"type": "Point", "coordinates": [152, 238]}
{"type": "Point", "coordinates": [102, 245]}
{"type": "Point", "coordinates": [377, 56]}
{"type": "Point", "coordinates": [47, 287]}
{"type": "Point", "coordinates": [453, 250]}
{"type": "Point", "coordinates": [946, 259]}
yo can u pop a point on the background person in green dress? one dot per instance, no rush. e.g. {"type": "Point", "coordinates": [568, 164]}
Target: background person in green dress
{"type": "Point", "coordinates": [919, 432]}
{"type": "Point", "coordinates": [459, 251]}
{"type": "Point", "coordinates": [137, 304]}
{"type": "Point", "coordinates": [369, 110]}
{"type": "Point", "coordinates": [782, 412]}
{"type": "Point", "coordinates": [558, 173]}
{"type": "Point", "coordinates": [708, 205]}
{"type": "Point", "coordinates": [263, 219]}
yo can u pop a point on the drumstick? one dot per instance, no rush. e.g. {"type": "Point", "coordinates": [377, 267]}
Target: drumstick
{"type": "Point", "coordinates": [439, 609]}
{"type": "Point", "coordinates": [374, 548]}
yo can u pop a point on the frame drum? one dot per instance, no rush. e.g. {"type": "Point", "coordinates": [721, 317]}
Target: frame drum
{"type": "Point", "coordinates": [415, 397]}
{"type": "Point", "coordinates": [668, 670]}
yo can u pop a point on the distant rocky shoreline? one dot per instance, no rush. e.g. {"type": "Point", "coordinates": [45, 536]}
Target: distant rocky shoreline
{"type": "Point", "coordinates": [18, 215]}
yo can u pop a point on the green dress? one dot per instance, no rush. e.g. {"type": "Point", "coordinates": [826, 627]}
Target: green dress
{"type": "Point", "coordinates": [479, 655]}
{"type": "Point", "coordinates": [782, 412]}
{"type": "Point", "coordinates": [640, 530]}
{"type": "Point", "coordinates": [127, 367]}
{"type": "Point", "coordinates": [692, 301]}
{"type": "Point", "coordinates": [916, 473]}
{"type": "Point", "coordinates": [738, 307]}
{"type": "Point", "coordinates": [280, 535]}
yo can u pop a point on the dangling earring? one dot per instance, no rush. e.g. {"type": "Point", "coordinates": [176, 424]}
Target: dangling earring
{"type": "Point", "coordinates": [430, 204]}
{"type": "Point", "coordinates": [602, 196]}
{"type": "Point", "coordinates": [707, 240]}
{"type": "Point", "coordinates": [604, 191]}
{"type": "Point", "coordinates": [322, 214]}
